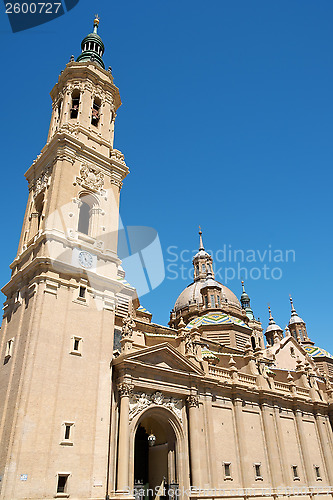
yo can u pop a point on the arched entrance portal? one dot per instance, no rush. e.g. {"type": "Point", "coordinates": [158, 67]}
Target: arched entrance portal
{"type": "Point", "coordinates": [155, 458]}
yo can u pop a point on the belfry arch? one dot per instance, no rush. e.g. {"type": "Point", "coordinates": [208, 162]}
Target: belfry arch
{"type": "Point", "coordinates": [158, 464]}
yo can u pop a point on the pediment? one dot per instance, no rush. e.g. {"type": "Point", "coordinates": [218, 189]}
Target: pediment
{"type": "Point", "coordinates": [291, 342]}
{"type": "Point", "coordinates": [162, 356]}
{"type": "Point", "coordinates": [288, 352]}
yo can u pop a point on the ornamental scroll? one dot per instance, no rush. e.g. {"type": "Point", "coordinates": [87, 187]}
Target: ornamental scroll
{"type": "Point", "coordinates": [91, 178]}
{"type": "Point", "coordinates": [42, 182]}
{"type": "Point", "coordinates": [141, 401]}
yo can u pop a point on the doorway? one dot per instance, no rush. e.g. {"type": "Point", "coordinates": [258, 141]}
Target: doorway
{"type": "Point", "coordinates": [155, 475]}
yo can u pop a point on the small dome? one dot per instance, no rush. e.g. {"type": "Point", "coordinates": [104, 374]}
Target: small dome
{"type": "Point", "coordinates": [92, 47]}
{"type": "Point", "coordinates": [272, 326]}
{"type": "Point", "coordinates": [295, 319]}
{"type": "Point", "coordinates": [192, 295]}
{"type": "Point", "coordinates": [201, 253]}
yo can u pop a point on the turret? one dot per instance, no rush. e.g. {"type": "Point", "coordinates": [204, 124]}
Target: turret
{"type": "Point", "coordinates": [202, 261]}
{"type": "Point", "coordinates": [273, 331]}
{"type": "Point", "coordinates": [246, 305]}
{"type": "Point", "coordinates": [297, 327]}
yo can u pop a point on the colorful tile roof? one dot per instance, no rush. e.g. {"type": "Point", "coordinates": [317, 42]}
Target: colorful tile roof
{"type": "Point", "coordinates": [215, 319]}
{"type": "Point", "coordinates": [317, 352]}
{"type": "Point", "coordinates": [124, 282]}
{"type": "Point", "coordinates": [142, 309]}
{"type": "Point", "coordinates": [207, 354]}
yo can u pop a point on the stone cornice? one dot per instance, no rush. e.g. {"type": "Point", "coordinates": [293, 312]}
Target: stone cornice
{"type": "Point", "coordinates": [65, 146]}
{"type": "Point", "coordinates": [238, 390]}
{"type": "Point", "coordinates": [85, 71]}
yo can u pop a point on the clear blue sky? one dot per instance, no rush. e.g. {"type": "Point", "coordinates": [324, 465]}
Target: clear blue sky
{"type": "Point", "coordinates": [226, 122]}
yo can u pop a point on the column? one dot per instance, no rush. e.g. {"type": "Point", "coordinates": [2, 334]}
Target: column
{"type": "Point", "coordinates": [211, 453]}
{"type": "Point", "coordinates": [321, 423]}
{"type": "Point", "coordinates": [124, 390]}
{"type": "Point", "coordinates": [171, 467]}
{"type": "Point", "coordinates": [281, 446]}
{"type": "Point", "coordinates": [193, 417]}
{"type": "Point", "coordinates": [240, 436]}
{"type": "Point", "coordinates": [304, 448]}
{"type": "Point", "coordinates": [271, 445]}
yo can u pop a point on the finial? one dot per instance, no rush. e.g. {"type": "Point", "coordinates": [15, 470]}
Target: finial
{"type": "Point", "coordinates": [71, 59]}
{"type": "Point", "coordinates": [243, 287]}
{"type": "Point", "coordinates": [293, 310]}
{"type": "Point", "coordinates": [271, 319]}
{"type": "Point", "coordinates": [96, 23]}
{"type": "Point", "coordinates": [181, 323]}
{"type": "Point", "coordinates": [201, 247]}
{"type": "Point", "coordinates": [232, 362]}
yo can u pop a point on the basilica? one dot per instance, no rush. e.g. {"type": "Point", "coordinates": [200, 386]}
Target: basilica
{"type": "Point", "coordinates": [99, 402]}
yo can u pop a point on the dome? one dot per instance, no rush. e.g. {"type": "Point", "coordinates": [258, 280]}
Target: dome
{"type": "Point", "coordinates": [201, 253]}
{"type": "Point", "coordinates": [272, 326]}
{"type": "Point", "coordinates": [295, 319]}
{"type": "Point", "coordinates": [92, 47]}
{"type": "Point", "coordinates": [192, 295]}
{"type": "Point", "coordinates": [317, 352]}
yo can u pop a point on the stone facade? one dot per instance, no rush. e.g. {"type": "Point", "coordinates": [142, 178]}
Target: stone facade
{"type": "Point", "coordinates": [96, 400]}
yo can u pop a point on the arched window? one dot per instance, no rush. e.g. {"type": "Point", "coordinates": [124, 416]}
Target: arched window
{"type": "Point", "coordinates": [39, 205]}
{"type": "Point", "coordinates": [84, 218]}
{"type": "Point", "coordinates": [95, 115]}
{"type": "Point", "coordinates": [59, 110]}
{"type": "Point", "coordinates": [75, 103]}
{"type": "Point", "coordinates": [88, 214]}
{"type": "Point", "coordinates": [253, 342]}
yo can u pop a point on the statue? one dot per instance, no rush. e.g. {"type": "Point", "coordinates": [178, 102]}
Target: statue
{"type": "Point", "coordinates": [127, 329]}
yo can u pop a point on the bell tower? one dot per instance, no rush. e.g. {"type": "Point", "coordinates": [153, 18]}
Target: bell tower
{"type": "Point", "coordinates": [56, 338]}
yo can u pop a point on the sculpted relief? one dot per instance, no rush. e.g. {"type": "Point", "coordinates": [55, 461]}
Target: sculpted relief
{"type": "Point", "coordinates": [141, 401]}
{"type": "Point", "coordinates": [91, 178]}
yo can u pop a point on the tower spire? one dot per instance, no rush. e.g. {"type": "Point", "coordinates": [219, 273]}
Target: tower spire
{"type": "Point", "coordinates": [293, 310]}
{"type": "Point", "coordinates": [201, 246]}
{"type": "Point", "coordinates": [246, 303]}
{"type": "Point", "coordinates": [92, 46]}
{"type": "Point", "coordinates": [96, 23]}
